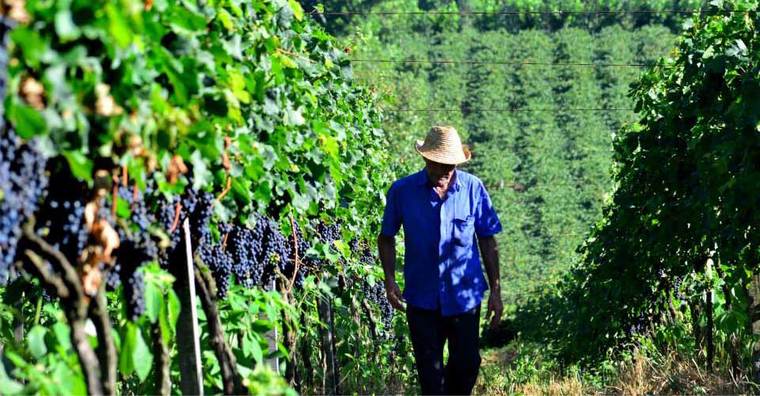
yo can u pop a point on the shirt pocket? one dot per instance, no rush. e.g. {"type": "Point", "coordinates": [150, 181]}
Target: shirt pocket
{"type": "Point", "coordinates": [464, 230]}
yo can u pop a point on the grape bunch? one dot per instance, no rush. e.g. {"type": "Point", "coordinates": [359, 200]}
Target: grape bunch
{"type": "Point", "coordinates": [195, 206]}
{"type": "Point", "coordinates": [276, 252]}
{"type": "Point", "coordinates": [23, 183]}
{"type": "Point", "coordinates": [134, 293]}
{"type": "Point", "coordinates": [136, 242]}
{"type": "Point", "coordinates": [375, 293]}
{"type": "Point", "coordinates": [137, 247]}
{"type": "Point", "coordinates": [166, 216]}
{"type": "Point", "coordinates": [328, 233]}
{"type": "Point", "coordinates": [220, 263]}
{"type": "Point", "coordinates": [246, 247]}
{"type": "Point", "coordinates": [255, 255]}
{"type": "Point", "coordinates": [200, 216]}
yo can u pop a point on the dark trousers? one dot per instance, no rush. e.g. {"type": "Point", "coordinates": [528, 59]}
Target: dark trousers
{"type": "Point", "coordinates": [429, 331]}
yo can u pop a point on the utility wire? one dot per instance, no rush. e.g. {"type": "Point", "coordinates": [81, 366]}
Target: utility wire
{"type": "Point", "coordinates": [568, 12]}
{"type": "Point", "coordinates": [503, 110]}
{"type": "Point", "coordinates": [523, 63]}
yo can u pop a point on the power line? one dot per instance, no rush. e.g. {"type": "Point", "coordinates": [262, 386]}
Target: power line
{"type": "Point", "coordinates": [522, 63]}
{"type": "Point", "coordinates": [528, 12]}
{"type": "Point", "coordinates": [503, 110]}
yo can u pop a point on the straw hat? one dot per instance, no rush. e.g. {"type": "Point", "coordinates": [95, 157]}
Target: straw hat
{"type": "Point", "coordinates": [442, 145]}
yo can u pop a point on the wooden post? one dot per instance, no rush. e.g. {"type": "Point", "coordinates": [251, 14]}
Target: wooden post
{"type": "Point", "coordinates": [188, 332]}
{"type": "Point", "coordinates": [328, 347]}
{"type": "Point", "coordinates": [271, 336]}
{"type": "Point", "coordinates": [709, 312]}
{"type": "Point", "coordinates": [754, 326]}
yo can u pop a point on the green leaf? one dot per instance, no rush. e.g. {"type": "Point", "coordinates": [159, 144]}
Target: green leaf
{"type": "Point", "coordinates": [27, 120]}
{"type": "Point", "coordinates": [153, 301]}
{"type": "Point", "coordinates": [169, 314]}
{"type": "Point", "coordinates": [62, 335]}
{"type": "Point", "coordinates": [65, 27]}
{"type": "Point", "coordinates": [238, 86]}
{"type": "Point", "coordinates": [122, 208]}
{"type": "Point", "coordinates": [252, 347]}
{"type": "Point", "coordinates": [67, 380]}
{"type": "Point", "coordinates": [81, 166]}
{"type": "Point", "coordinates": [31, 44]}
{"type": "Point", "coordinates": [261, 326]}
{"type": "Point", "coordinates": [173, 308]}
{"type": "Point", "coordinates": [36, 341]}
{"type": "Point", "coordinates": [183, 19]}
{"type": "Point", "coordinates": [9, 386]}
{"type": "Point", "coordinates": [142, 358]}
{"type": "Point", "coordinates": [202, 177]}
{"type": "Point", "coordinates": [226, 19]}
{"type": "Point", "coordinates": [118, 26]}
{"type": "Point", "coordinates": [180, 89]}
{"type": "Point", "coordinates": [126, 363]}
{"type": "Point", "coordinates": [297, 9]}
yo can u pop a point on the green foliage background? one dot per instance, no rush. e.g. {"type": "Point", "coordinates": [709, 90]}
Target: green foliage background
{"type": "Point", "coordinates": [138, 85]}
{"type": "Point", "coordinates": [547, 169]}
{"type": "Point", "coordinates": [610, 213]}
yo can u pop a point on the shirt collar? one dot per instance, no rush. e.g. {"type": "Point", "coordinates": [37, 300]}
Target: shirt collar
{"type": "Point", "coordinates": [422, 179]}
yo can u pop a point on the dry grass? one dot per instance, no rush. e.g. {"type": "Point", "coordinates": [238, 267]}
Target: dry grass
{"type": "Point", "coordinates": [669, 375]}
{"type": "Point", "coordinates": [494, 379]}
{"type": "Point", "coordinates": [560, 387]}
{"type": "Point", "coordinates": [672, 374]}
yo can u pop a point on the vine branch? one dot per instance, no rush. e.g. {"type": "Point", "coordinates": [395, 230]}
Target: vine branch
{"type": "Point", "coordinates": [231, 378]}
{"type": "Point", "coordinates": [69, 275]}
{"type": "Point", "coordinates": [47, 277]}
{"type": "Point", "coordinates": [162, 377]}
{"type": "Point", "coordinates": [106, 349]}
{"type": "Point", "coordinates": [73, 300]}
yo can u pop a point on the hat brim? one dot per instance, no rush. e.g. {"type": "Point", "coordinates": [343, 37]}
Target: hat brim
{"type": "Point", "coordinates": [441, 157]}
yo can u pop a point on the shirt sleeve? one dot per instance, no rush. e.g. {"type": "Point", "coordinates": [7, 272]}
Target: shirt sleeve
{"type": "Point", "coordinates": [392, 213]}
{"type": "Point", "coordinates": [486, 221]}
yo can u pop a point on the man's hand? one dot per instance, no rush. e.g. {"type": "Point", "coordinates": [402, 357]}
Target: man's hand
{"type": "Point", "coordinates": [393, 292]}
{"type": "Point", "coordinates": [495, 308]}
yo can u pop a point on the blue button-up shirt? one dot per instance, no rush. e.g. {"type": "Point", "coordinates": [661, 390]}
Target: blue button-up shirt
{"type": "Point", "coordinates": [441, 262]}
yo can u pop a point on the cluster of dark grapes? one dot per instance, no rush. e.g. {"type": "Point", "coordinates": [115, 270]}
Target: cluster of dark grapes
{"type": "Point", "coordinates": [375, 293]}
{"type": "Point", "coordinates": [195, 206]}
{"type": "Point", "coordinates": [134, 294]}
{"type": "Point", "coordinates": [246, 248]}
{"type": "Point", "coordinates": [677, 287]}
{"type": "Point", "coordinates": [220, 263]}
{"type": "Point", "coordinates": [255, 255]}
{"type": "Point", "coordinates": [137, 247]}
{"type": "Point", "coordinates": [328, 233]}
{"type": "Point", "coordinates": [166, 216]}
{"type": "Point", "coordinates": [276, 253]}
{"type": "Point", "coordinates": [23, 183]}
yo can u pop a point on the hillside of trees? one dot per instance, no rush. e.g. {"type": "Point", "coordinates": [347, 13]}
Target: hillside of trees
{"type": "Point", "coordinates": [539, 108]}
{"type": "Point", "coordinates": [552, 97]}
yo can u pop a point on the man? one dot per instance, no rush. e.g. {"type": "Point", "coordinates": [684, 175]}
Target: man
{"type": "Point", "coordinates": [443, 211]}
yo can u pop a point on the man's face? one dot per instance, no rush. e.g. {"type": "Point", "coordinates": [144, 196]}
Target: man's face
{"type": "Point", "coordinates": [439, 174]}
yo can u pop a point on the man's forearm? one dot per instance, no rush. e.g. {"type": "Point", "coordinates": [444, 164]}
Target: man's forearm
{"type": "Point", "coordinates": [490, 253]}
{"type": "Point", "coordinates": [387, 250]}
